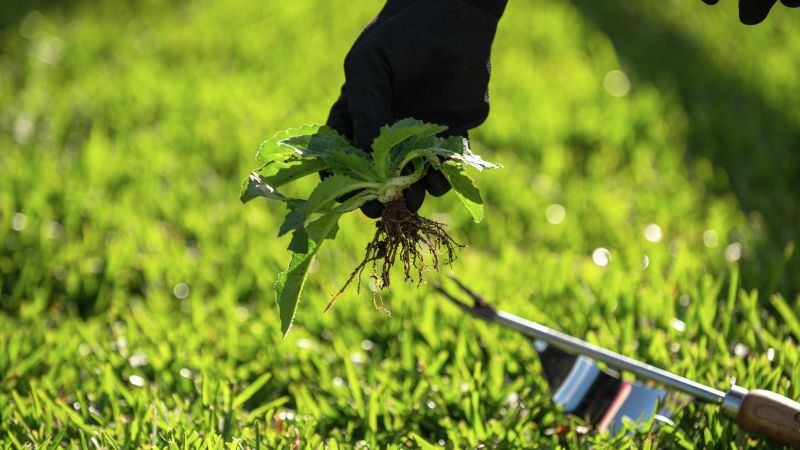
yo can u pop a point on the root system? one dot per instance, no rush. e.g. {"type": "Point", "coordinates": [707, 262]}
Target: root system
{"type": "Point", "coordinates": [405, 235]}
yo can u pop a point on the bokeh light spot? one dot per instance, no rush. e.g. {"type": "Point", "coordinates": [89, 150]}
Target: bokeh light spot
{"type": "Point", "coordinates": [678, 324]}
{"type": "Point", "coordinates": [23, 129]}
{"type": "Point", "coordinates": [358, 358]}
{"type": "Point", "coordinates": [19, 222]}
{"type": "Point", "coordinates": [652, 233]}
{"type": "Point", "coordinates": [710, 238]}
{"type": "Point", "coordinates": [733, 252]}
{"type": "Point", "coordinates": [555, 213]}
{"type": "Point", "coordinates": [601, 256]}
{"type": "Point", "coordinates": [181, 290]}
{"type": "Point", "coordinates": [617, 83]}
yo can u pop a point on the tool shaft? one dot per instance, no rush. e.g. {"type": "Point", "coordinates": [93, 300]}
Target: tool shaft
{"type": "Point", "coordinates": [615, 360]}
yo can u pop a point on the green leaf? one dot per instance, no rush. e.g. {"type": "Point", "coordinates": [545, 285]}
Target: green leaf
{"type": "Point", "coordinates": [476, 161]}
{"type": "Point", "coordinates": [299, 242]}
{"type": "Point", "coordinates": [428, 154]}
{"type": "Point", "coordinates": [354, 202]}
{"type": "Point", "coordinates": [290, 282]}
{"type": "Point", "coordinates": [287, 174]}
{"type": "Point", "coordinates": [355, 165]}
{"type": "Point", "coordinates": [393, 135]}
{"type": "Point", "coordinates": [320, 144]}
{"type": "Point", "coordinates": [340, 156]}
{"type": "Point", "coordinates": [457, 148]}
{"type": "Point", "coordinates": [410, 149]}
{"type": "Point", "coordinates": [454, 148]}
{"type": "Point", "coordinates": [253, 186]}
{"type": "Point", "coordinates": [294, 219]}
{"type": "Point", "coordinates": [456, 144]}
{"type": "Point", "coordinates": [329, 189]}
{"type": "Point", "coordinates": [465, 189]}
{"type": "Point", "coordinates": [401, 130]}
{"type": "Point", "coordinates": [272, 150]}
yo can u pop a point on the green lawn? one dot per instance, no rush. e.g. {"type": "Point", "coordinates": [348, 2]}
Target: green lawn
{"type": "Point", "coordinates": [136, 301]}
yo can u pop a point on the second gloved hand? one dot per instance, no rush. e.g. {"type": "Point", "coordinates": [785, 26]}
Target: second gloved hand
{"type": "Point", "coordinates": [753, 12]}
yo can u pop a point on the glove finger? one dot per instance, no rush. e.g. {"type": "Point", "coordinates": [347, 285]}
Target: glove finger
{"type": "Point", "coordinates": [414, 196]}
{"type": "Point", "coordinates": [435, 183]}
{"type": "Point", "coordinates": [752, 12]}
{"type": "Point", "coordinates": [372, 209]}
{"type": "Point", "coordinates": [791, 3]}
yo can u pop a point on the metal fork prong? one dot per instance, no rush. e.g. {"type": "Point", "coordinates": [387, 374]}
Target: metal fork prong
{"type": "Point", "coordinates": [480, 307]}
{"type": "Point", "coordinates": [450, 297]}
{"type": "Point", "coordinates": [480, 302]}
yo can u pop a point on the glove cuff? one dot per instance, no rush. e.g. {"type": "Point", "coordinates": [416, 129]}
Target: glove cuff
{"type": "Point", "coordinates": [493, 7]}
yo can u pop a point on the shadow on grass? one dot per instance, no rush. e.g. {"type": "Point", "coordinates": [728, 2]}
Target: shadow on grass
{"type": "Point", "coordinates": [730, 124]}
{"type": "Point", "coordinates": [13, 11]}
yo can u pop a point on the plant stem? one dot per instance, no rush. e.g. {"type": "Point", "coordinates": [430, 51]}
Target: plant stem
{"type": "Point", "coordinates": [393, 187]}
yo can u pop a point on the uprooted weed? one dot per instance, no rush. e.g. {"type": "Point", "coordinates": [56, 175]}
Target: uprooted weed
{"type": "Point", "coordinates": [403, 234]}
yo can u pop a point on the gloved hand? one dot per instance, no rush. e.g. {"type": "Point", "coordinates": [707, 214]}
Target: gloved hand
{"type": "Point", "coordinates": [426, 59]}
{"type": "Point", "coordinates": [752, 12]}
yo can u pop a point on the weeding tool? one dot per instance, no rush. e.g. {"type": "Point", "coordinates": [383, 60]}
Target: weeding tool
{"type": "Point", "coordinates": [576, 380]}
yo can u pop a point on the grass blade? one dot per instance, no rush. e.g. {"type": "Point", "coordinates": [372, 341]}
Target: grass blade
{"type": "Point", "coordinates": [250, 390]}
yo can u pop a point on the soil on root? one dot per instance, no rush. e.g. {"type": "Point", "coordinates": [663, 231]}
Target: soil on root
{"type": "Point", "coordinates": [405, 235]}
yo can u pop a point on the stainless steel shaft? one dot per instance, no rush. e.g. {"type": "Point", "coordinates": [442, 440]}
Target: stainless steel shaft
{"type": "Point", "coordinates": [615, 360]}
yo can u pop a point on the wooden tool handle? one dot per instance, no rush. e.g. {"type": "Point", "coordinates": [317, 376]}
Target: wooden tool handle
{"type": "Point", "coordinates": [771, 415]}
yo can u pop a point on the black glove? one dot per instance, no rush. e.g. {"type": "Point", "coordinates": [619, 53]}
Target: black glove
{"type": "Point", "coordinates": [426, 59]}
{"type": "Point", "coordinates": [752, 12]}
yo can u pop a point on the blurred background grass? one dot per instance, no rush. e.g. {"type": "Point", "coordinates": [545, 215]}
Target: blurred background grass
{"type": "Point", "coordinates": [136, 292]}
